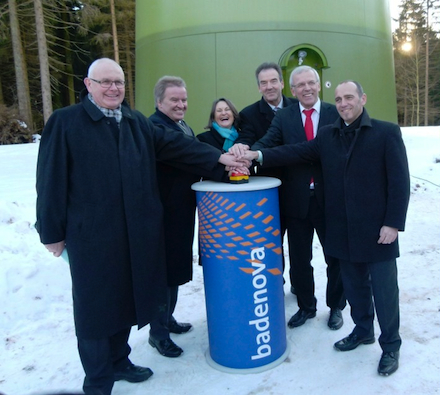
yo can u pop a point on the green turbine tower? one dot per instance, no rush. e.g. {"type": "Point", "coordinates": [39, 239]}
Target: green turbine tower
{"type": "Point", "coordinates": [216, 47]}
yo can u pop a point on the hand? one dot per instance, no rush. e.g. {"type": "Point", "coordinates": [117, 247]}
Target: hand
{"type": "Point", "coordinates": [242, 170]}
{"type": "Point", "coordinates": [238, 150]}
{"type": "Point", "coordinates": [56, 248]}
{"type": "Point", "coordinates": [232, 162]}
{"type": "Point", "coordinates": [249, 155]}
{"type": "Point", "coordinates": [387, 235]}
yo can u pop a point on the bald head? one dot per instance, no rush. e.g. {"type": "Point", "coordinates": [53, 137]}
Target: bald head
{"type": "Point", "coordinates": [105, 82]}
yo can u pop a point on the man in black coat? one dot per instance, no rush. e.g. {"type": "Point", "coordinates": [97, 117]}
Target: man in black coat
{"type": "Point", "coordinates": [179, 203]}
{"type": "Point", "coordinates": [302, 198]}
{"type": "Point", "coordinates": [98, 198]}
{"type": "Point", "coordinates": [256, 118]}
{"type": "Point", "coordinates": [367, 189]}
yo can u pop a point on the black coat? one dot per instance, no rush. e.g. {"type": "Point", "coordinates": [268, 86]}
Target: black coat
{"type": "Point", "coordinates": [287, 128]}
{"type": "Point", "coordinates": [212, 137]}
{"type": "Point", "coordinates": [179, 203]}
{"type": "Point", "coordinates": [255, 121]}
{"type": "Point", "coordinates": [366, 186]}
{"type": "Point", "coordinates": [97, 190]}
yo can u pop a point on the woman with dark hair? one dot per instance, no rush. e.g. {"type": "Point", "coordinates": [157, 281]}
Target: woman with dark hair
{"type": "Point", "coordinates": [222, 126]}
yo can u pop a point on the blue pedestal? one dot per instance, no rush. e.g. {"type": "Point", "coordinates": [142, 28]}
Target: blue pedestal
{"type": "Point", "coordinates": [240, 247]}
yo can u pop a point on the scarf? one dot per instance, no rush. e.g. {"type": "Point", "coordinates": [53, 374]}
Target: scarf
{"type": "Point", "coordinates": [348, 131]}
{"type": "Point", "coordinates": [116, 113]}
{"type": "Point", "coordinates": [230, 135]}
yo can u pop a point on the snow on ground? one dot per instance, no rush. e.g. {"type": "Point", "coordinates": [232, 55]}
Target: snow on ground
{"type": "Point", "coordinates": [38, 344]}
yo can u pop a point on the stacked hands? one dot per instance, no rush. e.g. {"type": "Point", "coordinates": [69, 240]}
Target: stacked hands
{"type": "Point", "coordinates": [238, 158]}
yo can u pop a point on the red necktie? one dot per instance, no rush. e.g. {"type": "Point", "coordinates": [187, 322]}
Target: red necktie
{"type": "Point", "coordinates": [308, 126]}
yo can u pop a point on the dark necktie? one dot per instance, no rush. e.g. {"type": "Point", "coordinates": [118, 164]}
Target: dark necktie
{"type": "Point", "coordinates": [186, 129]}
{"type": "Point", "coordinates": [308, 126]}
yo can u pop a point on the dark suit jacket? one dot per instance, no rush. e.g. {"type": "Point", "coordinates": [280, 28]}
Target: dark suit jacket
{"type": "Point", "coordinates": [366, 186]}
{"type": "Point", "coordinates": [179, 203]}
{"type": "Point", "coordinates": [287, 128]}
{"type": "Point", "coordinates": [255, 121]}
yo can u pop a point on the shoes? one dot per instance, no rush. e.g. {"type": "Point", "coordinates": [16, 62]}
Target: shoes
{"type": "Point", "coordinates": [179, 327]}
{"type": "Point", "coordinates": [165, 347]}
{"type": "Point", "coordinates": [133, 374]}
{"type": "Point", "coordinates": [292, 290]}
{"type": "Point", "coordinates": [335, 321]}
{"type": "Point", "coordinates": [352, 341]}
{"type": "Point", "coordinates": [389, 363]}
{"type": "Point", "coordinates": [300, 318]}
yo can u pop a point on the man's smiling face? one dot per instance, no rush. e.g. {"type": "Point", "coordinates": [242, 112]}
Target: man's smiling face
{"type": "Point", "coordinates": [110, 97]}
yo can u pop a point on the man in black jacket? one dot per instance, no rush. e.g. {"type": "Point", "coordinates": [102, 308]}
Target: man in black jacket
{"type": "Point", "coordinates": [179, 203]}
{"type": "Point", "coordinates": [367, 189]}
{"type": "Point", "coordinates": [302, 198]}
{"type": "Point", "coordinates": [256, 118]}
{"type": "Point", "coordinates": [98, 198]}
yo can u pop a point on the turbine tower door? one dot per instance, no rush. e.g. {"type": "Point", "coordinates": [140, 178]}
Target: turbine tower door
{"type": "Point", "coordinates": [301, 55]}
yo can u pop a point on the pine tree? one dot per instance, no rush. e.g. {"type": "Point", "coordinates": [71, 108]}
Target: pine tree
{"type": "Point", "coordinates": [415, 43]}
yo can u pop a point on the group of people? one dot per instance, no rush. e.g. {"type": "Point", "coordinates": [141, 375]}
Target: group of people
{"type": "Point", "coordinates": [114, 190]}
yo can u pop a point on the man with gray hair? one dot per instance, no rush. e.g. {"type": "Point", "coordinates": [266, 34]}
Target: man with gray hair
{"type": "Point", "coordinates": [302, 196]}
{"type": "Point", "coordinates": [256, 118]}
{"type": "Point", "coordinates": [179, 203]}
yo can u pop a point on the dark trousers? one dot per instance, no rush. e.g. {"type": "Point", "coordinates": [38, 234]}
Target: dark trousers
{"type": "Point", "coordinates": [300, 239]}
{"type": "Point", "coordinates": [159, 327]}
{"type": "Point", "coordinates": [100, 358]}
{"type": "Point", "coordinates": [365, 281]}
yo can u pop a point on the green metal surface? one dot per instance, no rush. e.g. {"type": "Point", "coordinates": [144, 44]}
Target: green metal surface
{"type": "Point", "coordinates": [216, 47]}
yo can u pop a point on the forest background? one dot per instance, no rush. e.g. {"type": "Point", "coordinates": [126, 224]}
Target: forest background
{"type": "Point", "coordinates": [47, 45]}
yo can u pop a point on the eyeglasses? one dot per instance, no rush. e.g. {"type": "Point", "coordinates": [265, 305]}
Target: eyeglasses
{"type": "Point", "coordinates": [108, 83]}
{"type": "Point", "coordinates": [303, 84]}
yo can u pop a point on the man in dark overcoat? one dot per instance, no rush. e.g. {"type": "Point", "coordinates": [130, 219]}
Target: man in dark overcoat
{"type": "Point", "coordinates": [366, 181]}
{"type": "Point", "coordinates": [302, 198]}
{"type": "Point", "coordinates": [179, 203]}
{"type": "Point", "coordinates": [98, 198]}
{"type": "Point", "coordinates": [255, 119]}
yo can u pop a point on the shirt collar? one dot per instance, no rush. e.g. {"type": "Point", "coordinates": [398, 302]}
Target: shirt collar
{"type": "Point", "coordinates": [111, 113]}
{"type": "Point", "coordinates": [279, 106]}
{"type": "Point", "coordinates": [316, 106]}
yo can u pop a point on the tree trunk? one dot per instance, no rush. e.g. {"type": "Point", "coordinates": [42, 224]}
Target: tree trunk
{"type": "Point", "coordinates": [427, 64]}
{"type": "Point", "coordinates": [44, 60]}
{"type": "Point", "coordinates": [129, 71]}
{"type": "Point", "coordinates": [23, 95]}
{"type": "Point", "coordinates": [2, 99]}
{"type": "Point", "coordinates": [114, 31]}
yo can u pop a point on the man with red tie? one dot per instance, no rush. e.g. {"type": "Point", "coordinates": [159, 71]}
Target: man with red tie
{"type": "Point", "coordinates": [367, 190]}
{"type": "Point", "coordinates": [302, 197]}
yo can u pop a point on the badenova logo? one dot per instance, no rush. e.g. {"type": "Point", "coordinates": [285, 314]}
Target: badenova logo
{"type": "Point", "coordinates": [261, 310]}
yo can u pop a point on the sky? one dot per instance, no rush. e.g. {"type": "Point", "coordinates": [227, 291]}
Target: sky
{"type": "Point", "coordinates": [394, 13]}
{"type": "Point", "coordinates": [38, 345]}
{"type": "Point", "coordinates": [394, 8]}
